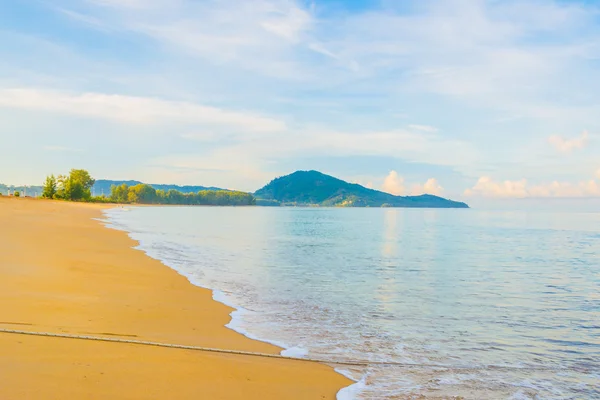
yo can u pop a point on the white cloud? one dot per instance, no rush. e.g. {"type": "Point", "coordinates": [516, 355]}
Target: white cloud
{"type": "Point", "coordinates": [565, 189]}
{"type": "Point", "coordinates": [256, 157]}
{"type": "Point", "coordinates": [206, 136]}
{"type": "Point", "coordinates": [486, 187]}
{"type": "Point", "coordinates": [568, 145]}
{"type": "Point", "coordinates": [366, 183]}
{"type": "Point", "coordinates": [431, 186]}
{"type": "Point", "coordinates": [133, 110]}
{"type": "Point", "coordinates": [61, 149]}
{"type": "Point", "coordinates": [598, 174]}
{"type": "Point", "coordinates": [85, 19]}
{"type": "Point", "coordinates": [411, 146]}
{"type": "Point", "coordinates": [321, 142]}
{"type": "Point", "coordinates": [481, 52]}
{"type": "Point", "coordinates": [393, 184]}
{"type": "Point", "coordinates": [135, 4]}
{"type": "Point", "coordinates": [424, 128]}
{"type": "Point", "coordinates": [457, 65]}
{"type": "Point", "coordinates": [453, 47]}
{"type": "Point", "coordinates": [260, 35]}
{"type": "Point", "coordinates": [222, 167]}
{"type": "Point", "coordinates": [289, 21]}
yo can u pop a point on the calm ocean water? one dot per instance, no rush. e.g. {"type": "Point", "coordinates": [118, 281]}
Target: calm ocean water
{"type": "Point", "coordinates": [495, 305]}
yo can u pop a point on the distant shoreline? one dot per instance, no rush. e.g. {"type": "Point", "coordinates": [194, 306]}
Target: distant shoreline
{"type": "Point", "coordinates": [122, 205]}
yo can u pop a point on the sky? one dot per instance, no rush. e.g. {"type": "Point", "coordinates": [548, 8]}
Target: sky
{"type": "Point", "coordinates": [467, 99]}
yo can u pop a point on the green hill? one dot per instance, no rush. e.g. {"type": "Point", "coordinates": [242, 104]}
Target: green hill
{"type": "Point", "coordinates": [315, 188]}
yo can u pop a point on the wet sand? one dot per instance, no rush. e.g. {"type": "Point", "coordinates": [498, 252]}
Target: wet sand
{"type": "Point", "coordinates": [63, 272]}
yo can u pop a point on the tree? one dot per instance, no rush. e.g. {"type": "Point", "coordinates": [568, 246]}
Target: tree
{"type": "Point", "coordinates": [76, 190]}
{"type": "Point", "coordinates": [174, 197]}
{"type": "Point", "coordinates": [17, 193]}
{"type": "Point", "coordinates": [83, 177]}
{"type": "Point", "coordinates": [146, 194]}
{"type": "Point", "coordinates": [60, 188]}
{"type": "Point", "coordinates": [142, 193]}
{"type": "Point", "coordinates": [76, 186]}
{"type": "Point", "coordinates": [80, 183]}
{"type": "Point", "coordinates": [49, 190]}
{"type": "Point", "coordinates": [119, 194]}
{"type": "Point", "coordinates": [161, 196]}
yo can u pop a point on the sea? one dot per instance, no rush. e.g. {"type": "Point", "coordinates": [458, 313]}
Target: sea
{"type": "Point", "coordinates": [421, 303]}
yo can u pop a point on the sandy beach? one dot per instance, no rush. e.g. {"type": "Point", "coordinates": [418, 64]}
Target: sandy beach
{"type": "Point", "coordinates": [62, 271]}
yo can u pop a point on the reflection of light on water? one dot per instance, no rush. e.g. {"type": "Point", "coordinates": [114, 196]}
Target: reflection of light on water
{"type": "Point", "coordinates": [386, 290]}
{"type": "Point", "coordinates": [412, 286]}
{"type": "Point", "coordinates": [390, 233]}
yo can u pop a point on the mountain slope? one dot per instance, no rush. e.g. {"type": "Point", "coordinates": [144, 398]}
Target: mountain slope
{"type": "Point", "coordinates": [316, 188]}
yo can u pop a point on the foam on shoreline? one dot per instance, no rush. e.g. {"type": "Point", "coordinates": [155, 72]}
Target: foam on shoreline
{"type": "Point", "coordinates": [236, 323]}
{"type": "Point", "coordinates": [351, 392]}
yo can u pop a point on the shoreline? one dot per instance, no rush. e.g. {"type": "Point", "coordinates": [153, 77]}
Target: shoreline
{"type": "Point", "coordinates": [217, 295]}
{"type": "Point", "coordinates": [345, 393]}
{"type": "Point", "coordinates": [94, 280]}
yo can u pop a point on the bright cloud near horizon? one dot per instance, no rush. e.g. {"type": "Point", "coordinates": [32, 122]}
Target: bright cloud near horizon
{"type": "Point", "coordinates": [464, 99]}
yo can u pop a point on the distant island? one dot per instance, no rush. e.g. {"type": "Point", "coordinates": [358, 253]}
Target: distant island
{"type": "Point", "coordinates": [299, 189]}
{"type": "Point", "coordinates": [313, 188]}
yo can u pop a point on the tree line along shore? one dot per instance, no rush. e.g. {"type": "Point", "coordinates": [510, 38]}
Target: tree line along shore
{"type": "Point", "coordinates": [77, 186]}
{"type": "Point", "coordinates": [300, 189]}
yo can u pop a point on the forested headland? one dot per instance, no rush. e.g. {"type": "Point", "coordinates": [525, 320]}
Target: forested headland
{"type": "Point", "coordinates": [313, 188]}
{"type": "Point", "coordinates": [77, 186]}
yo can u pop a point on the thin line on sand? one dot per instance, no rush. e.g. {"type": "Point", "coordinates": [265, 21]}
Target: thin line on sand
{"type": "Point", "coordinates": [60, 267]}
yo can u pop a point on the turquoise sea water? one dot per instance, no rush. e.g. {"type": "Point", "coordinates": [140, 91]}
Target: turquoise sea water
{"type": "Point", "coordinates": [491, 305]}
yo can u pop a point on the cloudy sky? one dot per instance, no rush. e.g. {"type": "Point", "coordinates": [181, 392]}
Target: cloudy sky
{"type": "Point", "coordinates": [462, 98]}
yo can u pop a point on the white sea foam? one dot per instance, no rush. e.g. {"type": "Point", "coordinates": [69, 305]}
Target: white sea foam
{"type": "Point", "coordinates": [296, 352]}
{"type": "Point", "coordinates": [351, 392]}
{"type": "Point", "coordinates": [313, 284]}
{"type": "Point", "coordinates": [237, 315]}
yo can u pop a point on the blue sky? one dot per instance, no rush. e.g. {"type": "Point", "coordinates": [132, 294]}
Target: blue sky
{"type": "Point", "coordinates": [463, 98]}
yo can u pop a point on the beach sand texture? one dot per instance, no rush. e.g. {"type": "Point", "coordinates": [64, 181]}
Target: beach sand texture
{"type": "Point", "coordinates": [63, 272]}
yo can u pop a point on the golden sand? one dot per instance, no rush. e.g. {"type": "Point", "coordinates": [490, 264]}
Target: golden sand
{"type": "Point", "coordinates": [61, 271]}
